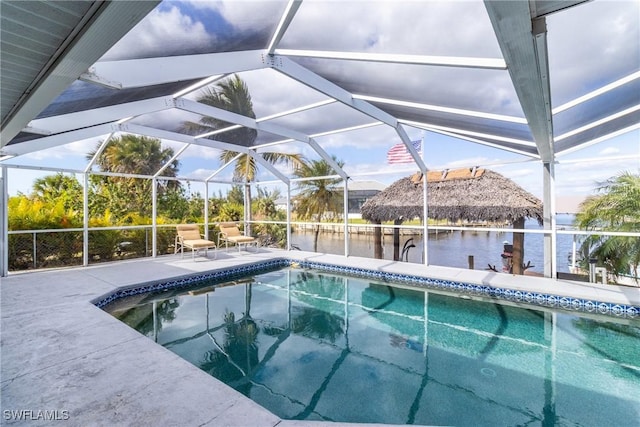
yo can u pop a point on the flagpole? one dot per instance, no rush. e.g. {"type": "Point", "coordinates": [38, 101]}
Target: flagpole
{"type": "Point", "coordinates": [425, 205]}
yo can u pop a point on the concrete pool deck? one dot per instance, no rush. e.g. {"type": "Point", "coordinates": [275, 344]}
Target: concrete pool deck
{"type": "Point", "coordinates": [63, 355]}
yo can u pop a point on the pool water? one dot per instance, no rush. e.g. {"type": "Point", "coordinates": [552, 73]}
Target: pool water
{"type": "Point", "coordinates": [311, 345]}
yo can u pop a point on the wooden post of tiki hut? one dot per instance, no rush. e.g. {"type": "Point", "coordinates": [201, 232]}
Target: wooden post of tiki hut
{"type": "Point", "coordinates": [377, 241]}
{"type": "Point", "coordinates": [518, 247]}
{"type": "Point", "coordinates": [470, 194]}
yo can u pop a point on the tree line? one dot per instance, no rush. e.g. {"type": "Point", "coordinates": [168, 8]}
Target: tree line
{"type": "Point", "coordinates": [57, 202]}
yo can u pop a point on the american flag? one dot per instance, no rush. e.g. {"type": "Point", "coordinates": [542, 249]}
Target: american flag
{"type": "Point", "coordinates": [399, 153]}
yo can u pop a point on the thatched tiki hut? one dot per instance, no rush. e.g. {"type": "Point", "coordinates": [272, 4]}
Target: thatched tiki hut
{"type": "Point", "coordinates": [463, 194]}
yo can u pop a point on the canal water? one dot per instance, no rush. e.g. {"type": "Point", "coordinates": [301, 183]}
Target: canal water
{"type": "Point", "coordinates": [450, 249]}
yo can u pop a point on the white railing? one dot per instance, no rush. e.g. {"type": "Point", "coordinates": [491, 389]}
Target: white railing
{"type": "Point", "coordinates": [39, 249]}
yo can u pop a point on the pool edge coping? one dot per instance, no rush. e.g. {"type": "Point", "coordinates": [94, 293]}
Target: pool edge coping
{"type": "Point", "coordinates": [570, 304]}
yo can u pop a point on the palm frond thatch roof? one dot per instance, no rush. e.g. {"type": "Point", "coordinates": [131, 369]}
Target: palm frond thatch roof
{"type": "Point", "coordinates": [462, 194]}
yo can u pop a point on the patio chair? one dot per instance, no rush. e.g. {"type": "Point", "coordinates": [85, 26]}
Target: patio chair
{"type": "Point", "coordinates": [188, 236]}
{"type": "Point", "coordinates": [230, 233]}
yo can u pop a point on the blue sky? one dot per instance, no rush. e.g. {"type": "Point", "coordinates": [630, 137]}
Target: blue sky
{"type": "Point", "coordinates": [174, 25]}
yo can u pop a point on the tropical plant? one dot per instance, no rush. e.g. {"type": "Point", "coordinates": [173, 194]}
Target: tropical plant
{"type": "Point", "coordinates": [264, 205]}
{"type": "Point", "coordinates": [320, 315]}
{"type": "Point", "coordinates": [27, 213]}
{"type": "Point", "coordinates": [264, 209]}
{"type": "Point", "coordinates": [233, 95]}
{"type": "Point", "coordinates": [103, 244]}
{"type": "Point", "coordinates": [135, 154]}
{"type": "Point", "coordinates": [235, 195]}
{"type": "Point", "coordinates": [59, 188]}
{"type": "Point", "coordinates": [238, 356]}
{"type": "Point", "coordinates": [318, 197]}
{"type": "Point", "coordinates": [230, 212]}
{"type": "Point", "coordinates": [617, 208]}
{"type": "Point", "coordinates": [48, 248]}
{"type": "Point", "coordinates": [131, 154]}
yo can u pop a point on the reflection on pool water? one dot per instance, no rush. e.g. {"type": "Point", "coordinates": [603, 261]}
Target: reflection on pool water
{"type": "Point", "coordinates": [308, 344]}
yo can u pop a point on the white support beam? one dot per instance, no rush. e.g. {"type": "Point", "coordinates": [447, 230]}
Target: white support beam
{"type": "Point", "coordinates": [91, 77]}
{"type": "Point", "coordinates": [296, 110]}
{"type": "Point", "coordinates": [223, 167]}
{"type": "Point", "coordinates": [308, 78]}
{"type": "Point", "coordinates": [85, 218]}
{"type": "Point", "coordinates": [4, 222]}
{"type": "Point", "coordinates": [97, 153]}
{"type": "Point", "coordinates": [288, 15]}
{"type": "Point", "coordinates": [425, 216]}
{"type": "Point", "coordinates": [198, 85]}
{"type": "Point", "coordinates": [345, 213]}
{"type": "Point", "coordinates": [228, 116]}
{"type": "Point", "coordinates": [468, 136]}
{"type": "Point", "coordinates": [325, 133]}
{"type": "Point", "coordinates": [153, 71]}
{"type": "Point", "coordinates": [522, 39]}
{"type": "Point", "coordinates": [180, 137]}
{"type": "Point", "coordinates": [442, 109]}
{"type": "Point", "coordinates": [327, 158]}
{"type": "Point", "coordinates": [231, 117]}
{"type": "Point", "coordinates": [549, 220]}
{"type": "Point", "coordinates": [215, 112]}
{"type": "Point", "coordinates": [547, 7]}
{"type": "Point", "coordinates": [414, 153]}
{"type": "Point", "coordinates": [174, 136]}
{"type": "Point", "coordinates": [112, 113]}
{"type": "Point", "coordinates": [344, 130]}
{"type": "Point", "coordinates": [289, 217]}
{"type": "Point", "coordinates": [56, 140]}
{"type": "Point", "coordinates": [446, 61]}
{"type": "Point", "coordinates": [598, 140]}
{"type": "Point", "coordinates": [271, 168]}
{"type": "Point", "coordinates": [597, 92]}
{"type": "Point", "coordinates": [599, 122]}
{"type": "Point", "coordinates": [154, 218]}
{"type": "Point", "coordinates": [171, 160]}
{"type": "Point", "coordinates": [206, 211]}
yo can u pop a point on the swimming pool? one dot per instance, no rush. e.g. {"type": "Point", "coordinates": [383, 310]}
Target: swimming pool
{"type": "Point", "coordinates": [307, 343]}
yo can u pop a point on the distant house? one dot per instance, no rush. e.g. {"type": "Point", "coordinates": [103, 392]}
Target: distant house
{"type": "Point", "coordinates": [359, 192]}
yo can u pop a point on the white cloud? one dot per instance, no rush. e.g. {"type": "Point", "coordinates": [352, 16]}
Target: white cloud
{"type": "Point", "coordinates": [609, 151]}
{"type": "Point", "coordinates": [161, 31]}
{"type": "Point", "coordinates": [383, 172]}
{"type": "Point", "coordinates": [427, 28]}
{"type": "Point", "coordinates": [466, 162]}
{"type": "Point", "coordinates": [243, 15]}
{"type": "Point", "coordinates": [203, 173]}
{"type": "Point", "coordinates": [398, 27]}
{"type": "Point", "coordinates": [270, 92]}
{"type": "Point", "coordinates": [74, 152]}
{"type": "Point", "coordinates": [588, 55]}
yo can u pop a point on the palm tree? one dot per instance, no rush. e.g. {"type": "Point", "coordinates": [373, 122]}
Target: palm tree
{"type": "Point", "coordinates": [318, 196]}
{"type": "Point", "coordinates": [132, 154]}
{"type": "Point", "coordinates": [616, 209]}
{"type": "Point", "coordinates": [233, 95]}
{"type": "Point", "coordinates": [136, 155]}
{"type": "Point", "coordinates": [53, 188]}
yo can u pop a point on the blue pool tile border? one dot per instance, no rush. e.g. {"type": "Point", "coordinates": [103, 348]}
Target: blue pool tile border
{"type": "Point", "coordinates": [517, 296]}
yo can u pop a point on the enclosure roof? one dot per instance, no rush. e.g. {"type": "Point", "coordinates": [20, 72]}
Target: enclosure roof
{"type": "Point", "coordinates": [501, 77]}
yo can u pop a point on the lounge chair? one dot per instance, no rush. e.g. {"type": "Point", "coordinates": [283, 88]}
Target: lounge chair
{"type": "Point", "coordinates": [230, 233]}
{"type": "Point", "coordinates": [189, 237]}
